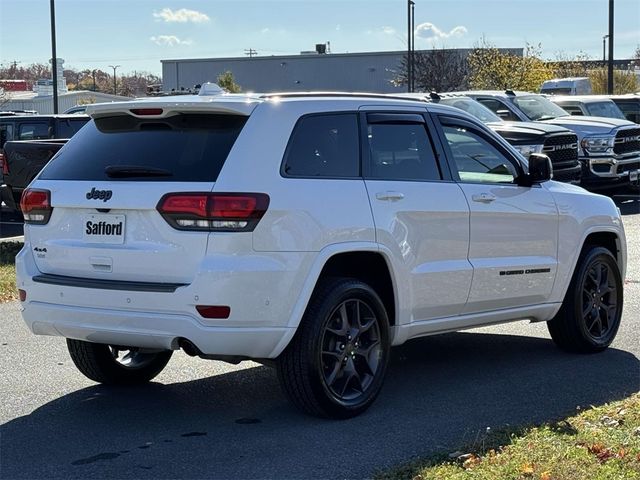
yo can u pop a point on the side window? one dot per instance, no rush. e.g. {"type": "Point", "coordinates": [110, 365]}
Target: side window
{"type": "Point", "coordinates": [401, 151]}
{"type": "Point", "coordinates": [499, 109]}
{"type": "Point", "coordinates": [33, 131]}
{"type": "Point", "coordinates": [324, 146]}
{"type": "Point", "coordinates": [476, 159]}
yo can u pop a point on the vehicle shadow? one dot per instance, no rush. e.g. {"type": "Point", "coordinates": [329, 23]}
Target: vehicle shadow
{"type": "Point", "coordinates": [440, 392]}
{"type": "Point", "coordinates": [627, 201]}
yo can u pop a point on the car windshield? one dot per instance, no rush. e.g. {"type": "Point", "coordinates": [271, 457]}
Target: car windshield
{"type": "Point", "coordinates": [472, 107]}
{"type": "Point", "coordinates": [537, 107]}
{"type": "Point", "coordinates": [605, 109]}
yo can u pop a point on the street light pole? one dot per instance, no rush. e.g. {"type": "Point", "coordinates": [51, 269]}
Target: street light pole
{"type": "Point", "coordinates": [54, 62]}
{"type": "Point", "coordinates": [610, 66]}
{"type": "Point", "coordinates": [413, 47]}
{"type": "Point", "coordinates": [115, 67]}
{"type": "Point", "coordinates": [409, 67]}
{"type": "Point", "coordinates": [604, 49]}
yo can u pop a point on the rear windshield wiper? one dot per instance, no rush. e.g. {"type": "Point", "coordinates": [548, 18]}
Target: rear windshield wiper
{"type": "Point", "coordinates": [125, 171]}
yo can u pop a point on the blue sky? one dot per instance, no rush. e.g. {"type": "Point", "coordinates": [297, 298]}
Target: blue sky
{"type": "Point", "coordinates": [137, 34]}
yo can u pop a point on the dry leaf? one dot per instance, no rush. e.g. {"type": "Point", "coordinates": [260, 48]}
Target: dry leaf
{"type": "Point", "coordinates": [526, 469]}
{"type": "Point", "coordinates": [545, 476]}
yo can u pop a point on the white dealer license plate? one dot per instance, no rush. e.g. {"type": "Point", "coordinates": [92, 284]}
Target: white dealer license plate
{"type": "Point", "coordinates": [103, 228]}
{"type": "Point", "coordinates": [633, 176]}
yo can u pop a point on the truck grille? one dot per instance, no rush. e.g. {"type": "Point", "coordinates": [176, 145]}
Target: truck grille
{"type": "Point", "coordinates": [562, 150]}
{"type": "Point", "coordinates": [627, 141]}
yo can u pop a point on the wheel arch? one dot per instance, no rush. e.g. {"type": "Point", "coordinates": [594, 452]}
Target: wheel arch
{"type": "Point", "coordinates": [608, 237]}
{"type": "Point", "coordinates": [347, 260]}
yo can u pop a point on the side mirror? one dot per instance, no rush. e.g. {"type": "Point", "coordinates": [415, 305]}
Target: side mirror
{"type": "Point", "coordinates": [540, 169]}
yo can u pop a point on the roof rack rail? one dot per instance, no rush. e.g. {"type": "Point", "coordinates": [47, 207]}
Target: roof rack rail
{"type": "Point", "coordinates": [337, 94]}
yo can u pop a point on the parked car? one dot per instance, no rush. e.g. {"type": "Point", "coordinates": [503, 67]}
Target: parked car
{"type": "Point", "coordinates": [630, 106]}
{"type": "Point", "coordinates": [567, 86]}
{"type": "Point", "coordinates": [78, 109]}
{"type": "Point", "coordinates": [609, 149]}
{"type": "Point", "coordinates": [33, 127]}
{"type": "Point", "coordinates": [312, 232]}
{"type": "Point", "coordinates": [593, 105]}
{"type": "Point", "coordinates": [558, 143]}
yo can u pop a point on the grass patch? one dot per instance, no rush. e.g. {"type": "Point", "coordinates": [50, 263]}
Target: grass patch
{"type": "Point", "coordinates": [8, 251]}
{"type": "Point", "coordinates": [602, 443]}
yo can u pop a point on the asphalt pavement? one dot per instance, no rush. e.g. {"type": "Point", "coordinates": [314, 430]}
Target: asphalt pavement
{"type": "Point", "coordinates": [208, 419]}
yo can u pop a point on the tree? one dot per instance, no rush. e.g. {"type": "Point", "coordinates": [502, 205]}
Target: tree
{"type": "Point", "coordinates": [491, 69]}
{"type": "Point", "coordinates": [564, 66]}
{"type": "Point", "coordinates": [624, 81]}
{"type": "Point", "coordinates": [440, 70]}
{"type": "Point", "coordinates": [225, 80]}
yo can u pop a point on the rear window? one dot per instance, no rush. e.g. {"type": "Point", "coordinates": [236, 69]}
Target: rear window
{"type": "Point", "coordinates": [186, 147]}
{"type": "Point", "coordinates": [68, 128]}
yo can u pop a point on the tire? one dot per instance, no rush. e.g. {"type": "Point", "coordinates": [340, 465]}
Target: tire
{"type": "Point", "coordinates": [334, 366]}
{"type": "Point", "coordinates": [106, 364]}
{"type": "Point", "coordinates": [590, 314]}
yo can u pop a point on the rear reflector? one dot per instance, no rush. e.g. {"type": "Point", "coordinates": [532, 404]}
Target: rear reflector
{"type": "Point", "coordinates": [214, 212]}
{"type": "Point", "coordinates": [214, 311]}
{"type": "Point", "coordinates": [22, 294]}
{"type": "Point", "coordinates": [36, 206]}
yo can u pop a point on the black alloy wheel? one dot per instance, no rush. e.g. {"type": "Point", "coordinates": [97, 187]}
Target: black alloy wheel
{"type": "Point", "coordinates": [590, 315]}
{"type": "Point", "coordinates": [351, 349]}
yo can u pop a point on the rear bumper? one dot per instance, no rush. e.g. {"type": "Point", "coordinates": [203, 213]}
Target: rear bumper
{"type": "Point", "coordinates": [149, 330]}
{"type": "Point", "coordinates": [261, 301]}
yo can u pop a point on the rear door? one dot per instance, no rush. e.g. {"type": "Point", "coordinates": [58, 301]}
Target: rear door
{"type": "Point", "coordinates": [420, 215]}
{"type": "Point", "coordinates": [514, 229]}
{"type": "Point", "coordinates": [106, 184]}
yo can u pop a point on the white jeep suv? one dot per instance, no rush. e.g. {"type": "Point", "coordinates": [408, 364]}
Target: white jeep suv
{"type": "Point", "coordinates": [313, 230]}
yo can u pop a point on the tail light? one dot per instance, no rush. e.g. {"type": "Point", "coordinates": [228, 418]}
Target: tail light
{"type": "Point", "coordinates": [36, 206]}
{"type": "Point", "coordinates": [213, 212]}
{"type": "Point", "coordinates": [4, 165]}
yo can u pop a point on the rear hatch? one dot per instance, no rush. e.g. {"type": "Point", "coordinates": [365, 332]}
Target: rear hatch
{"type": "Point", "coordinates": [105, 187]}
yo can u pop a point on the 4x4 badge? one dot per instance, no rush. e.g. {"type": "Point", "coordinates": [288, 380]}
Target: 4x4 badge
{"type": "Point", "coordinates": [103, 195]}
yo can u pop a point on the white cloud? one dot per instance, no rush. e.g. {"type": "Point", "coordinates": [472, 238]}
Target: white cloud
{"type": "Point", "coordinates": [338, 27]}
{"type": "Point", "coordinates": [388, 30]}
{"type": "Point", "coordinates": [169, 41]}
{"type": "Point", "coordinates": [265, 30]}
{"type": "Point", "coordinates": [181, 16]}
{"type": "Point", "coordinates": [430, 31]}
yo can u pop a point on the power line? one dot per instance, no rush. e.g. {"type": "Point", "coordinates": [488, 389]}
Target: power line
{"type": "Point", "coordinates": [250, 51]}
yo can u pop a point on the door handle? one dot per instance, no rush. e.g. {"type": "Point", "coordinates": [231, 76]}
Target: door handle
{"type": "Point", "coordinates": [483, 197]}
{"type": "Point", "coordinates": [390, 196]}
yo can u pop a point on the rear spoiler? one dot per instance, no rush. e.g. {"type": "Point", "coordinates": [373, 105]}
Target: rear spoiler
{"type": "Point", "coordinates": [168, 106]}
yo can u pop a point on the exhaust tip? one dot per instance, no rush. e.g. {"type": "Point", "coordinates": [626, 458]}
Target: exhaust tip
{"type": "Point", "coordinates": [189, 348]}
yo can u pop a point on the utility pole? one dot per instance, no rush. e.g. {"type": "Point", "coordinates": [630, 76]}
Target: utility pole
{"type": "Point", "coordinates": [93, 74]}
{"type": "Point", "coordinates": [604, 49]}
{"type": "Point", "coordinates": [54, 60]}
{"type": "Point", "coordinates": [250, 52]}
{"type": "Point", "coordinates": [115, 67]}
{"type": "Point", "coordinates": [413, 47]}
{"type": "Point", "coordinates": [409, 57]}
{"type": "Point", "coordinates": [610, 66]}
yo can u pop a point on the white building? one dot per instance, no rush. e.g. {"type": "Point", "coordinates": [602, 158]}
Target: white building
{"type": "Point", "coordinates": [44, 103]}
